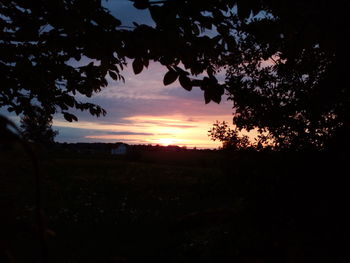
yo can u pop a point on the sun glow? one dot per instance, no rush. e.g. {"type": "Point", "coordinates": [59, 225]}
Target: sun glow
{"type": "Point", "coordinates": [166, 141]}
{"type": "Point", "coordinates": [165, 130]}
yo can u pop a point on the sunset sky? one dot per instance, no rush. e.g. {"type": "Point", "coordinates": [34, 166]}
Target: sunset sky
{"type": "Point", "coordinates": [142, 110]}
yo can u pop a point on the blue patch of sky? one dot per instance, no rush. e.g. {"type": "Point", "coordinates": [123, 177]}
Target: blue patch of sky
{"type": "Point", "coordinates": [127, 13]}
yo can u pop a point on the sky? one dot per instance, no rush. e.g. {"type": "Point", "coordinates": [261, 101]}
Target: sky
{"type": "Point", "coordinates": [142, 110]}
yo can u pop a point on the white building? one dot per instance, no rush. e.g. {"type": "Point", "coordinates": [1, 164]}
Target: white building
{"type": "Point", "coordinates": [119, 149]}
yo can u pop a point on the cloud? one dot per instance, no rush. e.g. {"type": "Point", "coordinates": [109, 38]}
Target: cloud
{"type": "Point", "coordinates": [73, 134]}
{"type": "Point", "coordinates": [183, 126]}
{"type": "Point", "coordinates": [119, 108]}
{"type": "Point", "coordinates": [145, 94]}
{"type": "Point", "coordinates": [125, 133]}
{"type": "Point", "coordinates": [165, 124]}
{"type": "Point", "coordinates": [113, 140]}
{"type": "Point", "coordinates": [191, 120]}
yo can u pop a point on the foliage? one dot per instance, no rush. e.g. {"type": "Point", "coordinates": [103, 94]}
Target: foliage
{"type": "Point", "coordinates": [36, 127]}
{"type": "Point", "coordinates": [284, 80]}
{"type": "Point", "coordinates": [230, 138]}
{"type": "Point", "coordinates": [279, 59]}
{"type": "Point", "coordinates": [52, 51]}
{"type": "Point", "coordinates": [9, 133]}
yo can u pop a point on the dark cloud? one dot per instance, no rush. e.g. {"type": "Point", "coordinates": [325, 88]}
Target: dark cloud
{"type": "Point", "coordinates": [126, 133]}
{"type": "Point", "coordinates": [69, 134]}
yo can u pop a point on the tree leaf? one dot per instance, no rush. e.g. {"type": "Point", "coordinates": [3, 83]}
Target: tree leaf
{"type": "Point", "coordinates": [216, 98]}
{"type": "Point", "coordinates": [137, 65]}
{"type": "Point", "coordinates": [207, 96]}
{"type": "Point", "coordinates": [113, 75]}
{"type": "Point", "coordinates": [92, 111]}
{"type": "Point", "coordinates": [69, 117]}
{"type": "Point", "coordinates": [69, 100]}
{"type": "Point", "coordinates": [141, 4]}
{"type": "Point", "coordinates": [170, 77]}
{"type": "Point", "coordinates": [146, 62]}
{"type": "Point", "coordinates": [185, 82]}
{"type": "Point", "coordinates": [243, 9]}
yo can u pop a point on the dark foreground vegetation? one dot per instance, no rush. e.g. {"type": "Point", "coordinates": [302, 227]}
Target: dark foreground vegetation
{"type": "Point", "coordinates": [175, 206]}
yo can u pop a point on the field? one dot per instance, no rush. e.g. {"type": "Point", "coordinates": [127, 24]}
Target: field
{"type": "Point", "coordinates": [191, 206]}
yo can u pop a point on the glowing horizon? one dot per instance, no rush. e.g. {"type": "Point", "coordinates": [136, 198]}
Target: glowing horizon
{"type": "Point", "coordinates": [160, 130]}
{"type": "Point", "coordinates": [144, 111]}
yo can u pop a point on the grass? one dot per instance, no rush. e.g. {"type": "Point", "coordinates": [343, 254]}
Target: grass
{"type": "Point", "coordinates": [172, 207]}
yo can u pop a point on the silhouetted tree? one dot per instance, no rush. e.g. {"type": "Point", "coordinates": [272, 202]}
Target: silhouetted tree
{"type": "Point", "coordinates": [230, 138]}
{"type": "Point", "coordinates": [36, 127]}
{"type": "Point", "coordinates": [52, 50]}
{"type": "Point", "coordinates": [279, 59]}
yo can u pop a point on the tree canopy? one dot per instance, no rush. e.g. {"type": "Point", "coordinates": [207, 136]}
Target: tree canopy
{"type": "Point", "coordinates": [37, 127]}
{"type": "Point", "coordinates": [278, 58]}
{"type": "Point", "coordinates": [230, 138]}
{"type": "Point", "coordinates": [54, 50]}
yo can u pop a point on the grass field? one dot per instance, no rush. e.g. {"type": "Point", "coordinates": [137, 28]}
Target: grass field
{"type": "Point", "coordinates": [174, 207]}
